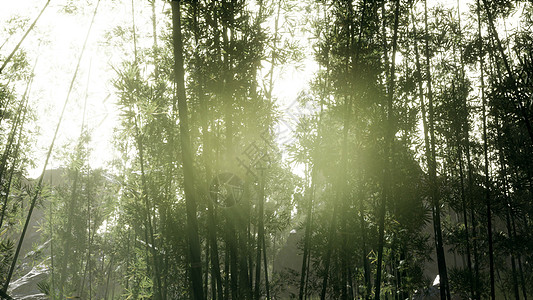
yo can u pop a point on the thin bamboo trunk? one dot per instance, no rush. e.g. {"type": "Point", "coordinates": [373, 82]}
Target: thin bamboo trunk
{"type": "Point", "coordinates": [344, 156]}
{"type": "Point", "coordinates": [508, 213]}
{"type": "Point", "coordinates": [462, 142]}
{"type": "Point", "coordinates": [187, 156]}
{"type": "Point", "coordinates": [389, 136]}
{"type": "Point", "coordinates": [211, 219]}
{"type": "Point", "coordinates": [154, 34]}
{"type": "Point", "coordinates": [50, 149]}
{"type": "Point", "coordinates": [520, 268]}
{"type": "Point", "coordinates": [327, 259]}
{"type": "Point", "coordinates": [71, 204]}
{"type": "Point", "coordinates": [476, 259]}
{"type": "Point", "coordinates": [485, 156]}
{"type": "Point", "coordinates": [265, 266]}
{"type": "Point", "coordinates": [307, 237]}
{"type": "Point", "coordinates": [52, 252]}
{"type": "Point", "coordinates": [5, 42]}
{"type": "Point", "coordinates": [304, 275]}
{"type": "Point", "coordinates": [133, 28]}
{"type": "Point", "coordinates": [18, 126]}
{"type": "Point", "coordinates": [260, 235]}
{"type": "Point", "coordinates": [23, 38]}
{"type": "Point", "coordinates": [149, 230]}
{"type": "Point", "coordinates": [441, 260]}
{"type": "Point", "coordinates": [88, 258]}
{"type": "Point", "coordinates": [108, 276]}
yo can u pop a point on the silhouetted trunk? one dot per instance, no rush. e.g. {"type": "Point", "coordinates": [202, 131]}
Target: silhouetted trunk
{"type": "Point", "coordinates": [470, 196]}
{"type": "Point", "coordinates": [327, 259]}
{"type": "Point", "coordinates": [307, 238]}
{"type": "Point", "coordinates": [243, 219]}
{"type": "Point", "coordinates": [520, 268]}
{"type": "Point", "coordinates": [211, 219]}
{"type": "Point", "coordinates": [485, 152]}
{"type": "Point", "coordinates": [260, 235]}
{"type": "Point", "coordinates": [432, 168]}
{"type": "Point", "coordinates": [187, 157]}
{"type": "Point", "coordinates": [389, 136]}
{"type": "Point", "coordinates": [109, 272]}
{"type": "Point", "coordinates": [463, 140]}
{"type": "Point", "coordinates": [330, 243]}
{"type": "Point", "coordinates": [366, 261]}
{"type": "Point", "coordinates": [509, 212]}
{"type": "Point", "coordinates": [265, 265]}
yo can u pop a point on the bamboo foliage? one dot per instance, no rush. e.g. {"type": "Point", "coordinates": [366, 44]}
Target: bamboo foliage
{"type": "Point", "coordinates": [406, 169]}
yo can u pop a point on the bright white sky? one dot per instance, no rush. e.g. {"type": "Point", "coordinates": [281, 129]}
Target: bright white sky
{"type": "Point", "coordinates": [62, 36]}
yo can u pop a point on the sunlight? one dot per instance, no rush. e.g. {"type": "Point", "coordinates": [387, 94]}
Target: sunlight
{"type": "Point", "coordinates": [216, 150]}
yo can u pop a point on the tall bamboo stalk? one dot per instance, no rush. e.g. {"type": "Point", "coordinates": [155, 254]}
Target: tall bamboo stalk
{"type": "Point", "coordinates": [23, 37]}
{"type": "Point", "coordinates": [50, 149]}
{"type": "Point", "coordinates": [389, 136]}
{"type": "Point", "coordinates": [17, 126]}
{"type": "Point", "coordinates": [432, 166]}
{"type": "Point", "coordinates": [463, 140]}
{"type": "Point", "coordinates": [187, 156]}
{"type": "Point", "coordinates": [485, 151]}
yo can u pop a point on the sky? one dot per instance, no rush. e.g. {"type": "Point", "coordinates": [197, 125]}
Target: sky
{"type": "Point", "coordinates": [56, 42]}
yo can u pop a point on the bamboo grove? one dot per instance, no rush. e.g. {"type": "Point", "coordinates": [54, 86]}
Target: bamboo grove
{"type": "Point", "coordinates": [407, 174]}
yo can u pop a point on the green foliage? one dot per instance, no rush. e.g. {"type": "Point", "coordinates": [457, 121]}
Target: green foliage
{"type": "Point", "coordinates": [362, 146]}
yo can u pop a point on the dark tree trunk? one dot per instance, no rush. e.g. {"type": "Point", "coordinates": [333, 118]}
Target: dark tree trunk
{"type": "Point", "coordinates": [389, 136]}
{"type": "Point", "coordinates": [463, 135]}
{"type": "Point", "coordinates": [187, 157]}
{"type": "Point", "coordinates": [485, 154]}
{"type": "Point", "coordinates": [260, 235]}
{"type": "Point", "coordinates": [307, 238]}
{"type": "Point", "coordinates": [432, 166]}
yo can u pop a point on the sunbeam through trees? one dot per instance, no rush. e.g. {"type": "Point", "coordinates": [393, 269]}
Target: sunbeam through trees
{"type": "Point", "coordinates": [266, 149]}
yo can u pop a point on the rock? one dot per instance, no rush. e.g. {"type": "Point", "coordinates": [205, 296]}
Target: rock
{"type": "Point", "coordinates": [26, 286]}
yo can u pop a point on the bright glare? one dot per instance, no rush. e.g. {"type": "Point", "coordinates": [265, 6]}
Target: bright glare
{"type": "Point", "coordinates": [56, 42]}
